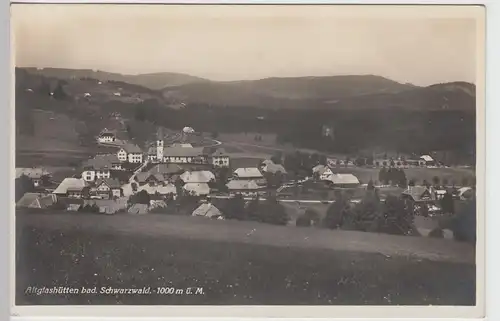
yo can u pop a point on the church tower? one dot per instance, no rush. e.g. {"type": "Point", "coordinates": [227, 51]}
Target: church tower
{"type": "Point", "coordinates": [159, 145]}
{"type": "Point", "coordinates": [159, 150]}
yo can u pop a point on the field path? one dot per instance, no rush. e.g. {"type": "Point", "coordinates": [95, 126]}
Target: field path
{"type": "Point", "coordinates": [256, 233]}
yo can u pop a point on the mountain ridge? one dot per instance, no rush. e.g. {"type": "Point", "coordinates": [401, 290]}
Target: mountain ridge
{"type": "Point", "coordinates": [357, 92]}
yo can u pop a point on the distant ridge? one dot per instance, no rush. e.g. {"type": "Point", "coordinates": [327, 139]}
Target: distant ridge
{"type": "Point", "coordinates": [353, 92]}
{"type": "Point", "coordinates": [150, 80]}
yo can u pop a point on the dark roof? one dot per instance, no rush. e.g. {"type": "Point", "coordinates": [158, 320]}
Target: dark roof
{"type": "Point", "coordinates": [111, 182]}
{"type": "Point", "coordinates": [220, 152]}
{"type": "Point", "coordinates": [166, 169]}
{"type": "Point", "coordinates": [183, 151]}
{"type": "Point", "coordinates": [131, 148]}
{"type": "Point", "coordinates": [101, 161]}
{"type": "Point", "coordinates": [108, 133]}
{"type": "Point", "coordinates": [419, 193]}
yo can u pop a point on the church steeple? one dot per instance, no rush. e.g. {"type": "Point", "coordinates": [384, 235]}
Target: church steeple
{"type": "Point", "coordinates": [159, 145]}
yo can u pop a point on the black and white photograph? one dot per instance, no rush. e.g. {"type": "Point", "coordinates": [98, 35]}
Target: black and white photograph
{"type": "Point", "coordinates": [248, 155]}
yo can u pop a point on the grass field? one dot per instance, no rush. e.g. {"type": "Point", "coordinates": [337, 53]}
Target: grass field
{"type": "Point", "coordinates": [267, 139]}
{"type": "Point", "coordinates": [276, 265]}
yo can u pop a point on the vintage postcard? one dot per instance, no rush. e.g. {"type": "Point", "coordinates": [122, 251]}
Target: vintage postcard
{"type": "Point", "coordinates": [196, 160]}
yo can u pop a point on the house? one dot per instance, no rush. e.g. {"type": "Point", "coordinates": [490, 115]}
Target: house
{"type": "Point", "coordinates": [415, 162]}
{"type": "Point", "coordinates": [130, 153]}
{"type": "Point", "coordinates": [249, 173]}
{"type": "Point", "coordinates": [273, 168]}
{"type": "Point", "coordinates": [157, 204]}
{"type": "Point", "coordinates": [108, 206]}
{"type": "Point", "coordinates": [465, 193]}
{"type": "Point", "coordinates": [138, 209]}
{"type": "Point", "coordinates": [197, 177]}
{"type": "Point", "coordinates": [149, 178]}
{"type": "Point", "coordinates": [244, 187]}
{"type": "Point", "coordinates": [319, 169]}
{"type": "Point", "coordinates": [419, 194]}
{"type": "Point", "coordinates": [100, 167]}
{"type": "Point", "coordinates": [266, 162]}
{"type": "Point", "coordinates": [181, 155]}
{"type": "Point", "coordinates": [106, 136]}
{"type": "Point", "coordinates": [108, 188]}
{"type": "Point", "coordinates": [207, 210]}
{"type": "Point", "coordinates": [167, 189]}
{"type": "Point", "coordinates": [343, 180]}
{"type": "Point", "coordinates": [188, 130]}
{"type": "Point", "coordinates": [73, 207]}
{"type": "Point", "coordinates": [220, 158]}
{"type": "Point", "coordinates": [36, 200]}
{"type": "Point", "coordinates": [197, 189]}
{"type": "Point", "coordinates": [440, 193]}
{"type": "Point", "coordinates": [72, 187]}
{"type": "Point", "coordinates": [37, 175]}
{"type": "Point", "coordinates": [327, 172]}
{"type": "Point", "coordinates": [429, 161]}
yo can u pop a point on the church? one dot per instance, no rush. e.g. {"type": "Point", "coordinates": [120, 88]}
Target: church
{"type": "Point", "coordinates": [177, 154]}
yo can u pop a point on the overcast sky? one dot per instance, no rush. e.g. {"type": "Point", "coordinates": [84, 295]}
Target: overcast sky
{"type": "Point", "coordinates": [422, 46]}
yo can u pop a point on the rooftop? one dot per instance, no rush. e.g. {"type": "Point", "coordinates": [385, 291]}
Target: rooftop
{"type": "Point", "coordinates": [274, 168]}
{"type": "Point", "coordinates": [102, 161]}
{"type": "Point", "coordinates": [197, 177]}
{"type": "Point", "coordinates": [74, 184]}
{"type": "Point", "coordinates": [132, 148]}
{"type": "Point", "coordinates": [242, 185]}
{"type": "Point", "coordinates": [248, 172]}
{"type": "Point", "coordinates": [197, 188]}
{"type": "Point", "coordinates": [111, 182]}
{"type": "Point", "coordinates": [183, 152]}
{"type": "Point", "coordinates": [343, 179]}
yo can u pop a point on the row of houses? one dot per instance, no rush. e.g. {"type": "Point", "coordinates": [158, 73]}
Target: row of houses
{"type": "Point", "coordinates": [104, 188]}
{"type": "Point", "coordinates": [423, 161]}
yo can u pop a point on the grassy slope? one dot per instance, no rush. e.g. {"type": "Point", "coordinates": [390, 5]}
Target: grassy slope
{"type": "Point", "coordinates": [53, 252]}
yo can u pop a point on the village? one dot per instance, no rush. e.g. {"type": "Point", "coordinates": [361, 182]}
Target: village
{"type": "Point", "coordinates": [173, 176]}
{"type": "Point", "coordinates": [188, 152]}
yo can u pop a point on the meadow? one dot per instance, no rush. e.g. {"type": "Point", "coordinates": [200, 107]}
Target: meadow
{"type": "Point", "coordinates": [235, 263]}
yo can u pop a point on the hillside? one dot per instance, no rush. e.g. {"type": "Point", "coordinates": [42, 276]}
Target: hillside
{"type": "Point", "coordinates": [152, 80]}
{"type": "Point", "coordinates": [236, 263]}
{"type": "Point", "coordinates": [436, 97]}
{"type": "Point", "coordinates": [284, 92]}
{"type": "Point", "coordinates": [357, 92]}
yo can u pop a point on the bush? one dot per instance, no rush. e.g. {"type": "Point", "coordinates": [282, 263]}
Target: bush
{"type": "Point", "coordinates": [58, 206]}
{"type": "Point", "coordinates": [235, 208]}
{"type": "Point", "coordinates": [364, 214]}
{"type": "Point", "coordinates": [463, 224]}
{"type": "Point", "coordinates": [89, 208]}
{"type": "Point", "coordinates": [23, 185]}
{"type": "Point", "coordinates": [269, 211]}
{"type": "Point", "coordinates": [397, 217]}
{"type": "Point", "coordinates": [313, 216]}
{"type": "Point", "coordinates": [303, 220]}
{"type": "Point", "coordinates": [337, 212]}
{"type": "Point", "coordinates": [437, 233]}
